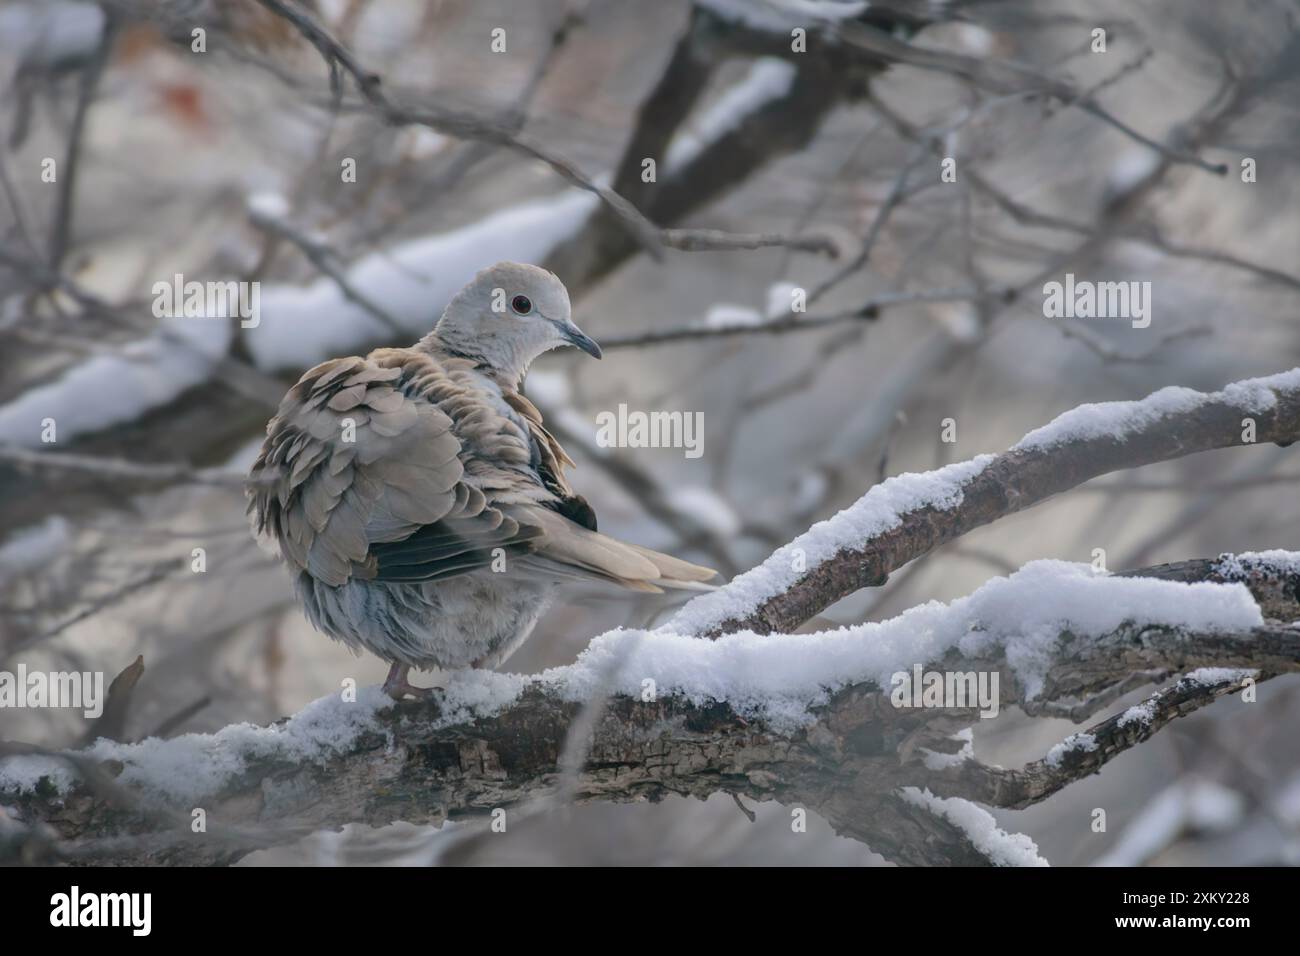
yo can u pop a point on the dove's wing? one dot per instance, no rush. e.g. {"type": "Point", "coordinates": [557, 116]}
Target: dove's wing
{"type": "Point", "coordinates": [550, 460]}
{"type": "Point", "coordinates": [351, 464]}
{"type": "Point", "coordinates": [401, 467]}
{"type": "Point", "coordinates": [572, 547]}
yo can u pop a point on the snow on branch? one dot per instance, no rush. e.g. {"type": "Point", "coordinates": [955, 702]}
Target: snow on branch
{"type": "Point", "coordinates": [1002, 848]}
{"type": "Point", "coordinates": [906, 516]}
{"type": "Point", "coordinates": [814, 720]}
{"type": "Point", "coordinates": [807, 720]}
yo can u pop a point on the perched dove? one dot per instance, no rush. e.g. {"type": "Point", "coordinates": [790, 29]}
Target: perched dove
{"type": "Point", "coordinates": [420, 504]}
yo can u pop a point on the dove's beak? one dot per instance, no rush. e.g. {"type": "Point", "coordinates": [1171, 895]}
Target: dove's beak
{"type": "Point", "coordinates": [576, 337]}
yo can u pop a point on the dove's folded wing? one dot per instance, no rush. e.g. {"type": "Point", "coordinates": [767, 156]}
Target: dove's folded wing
{"type": "Point", "coordinates": [395, 468]}
{"type": "Point", "coordinates": [356, 480]}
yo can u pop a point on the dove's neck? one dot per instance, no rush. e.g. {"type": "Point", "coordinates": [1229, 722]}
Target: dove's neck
{"type": "Point", "coordinates": [501, 361]}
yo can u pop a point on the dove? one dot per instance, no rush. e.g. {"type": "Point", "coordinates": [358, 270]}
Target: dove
{"type": "Point", "coordinates": [420, 504]}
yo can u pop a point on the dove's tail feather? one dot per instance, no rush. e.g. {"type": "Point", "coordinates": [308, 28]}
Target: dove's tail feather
{"type": "Point", "coordinates": [674, 572]}
{"type": "Point", "coordinates": [571, 550]}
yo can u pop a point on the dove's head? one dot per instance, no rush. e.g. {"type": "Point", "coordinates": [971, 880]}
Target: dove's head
{"type": "Point", "coordinates": [507, 316]}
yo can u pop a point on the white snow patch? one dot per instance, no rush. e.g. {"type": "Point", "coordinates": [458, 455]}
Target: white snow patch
{"type": "Point", "coordinates": [1001, 847]}
{"type": "Point", "coordinates": [1026, 612]}
{"type": "Point", "coordinates": [1239, 567]}
{"type": "Point", "coordinates": [420, 142]}
{"type": "Point", "coordinates": [780, 299]}
{"type": "Point", "coordinates": [775, 678]}
{"type": "Point", "coordinates": [1209, 676]}
{"type": "Point", "coordinates": [1129, 169]}
{"type": "Point", "coordinates": [192, 766]}
{"type": "Point", "coordinates": [22, 774]}
{"type": "Point", "coordinates": [271, 205]}
{"type": "Point", "coordinates": [725, 315]}
{"type": "Point", "coordinates": [706, 508]}
{"type": "Point", "coordinates": [1084, 742]}
{"type": "Point", "coordinates": [1118, 420]}
{"type": "Point", "coordinates": [769, 78]}
{"type": "Point", "coordinates": [961, 320]}
{"type": "Point", "coordinates": [1142, 713]}
{"type": "Point", "coordinates": [934, 760]}
{"type": "Point", "coordinates": [877, 511]}
{"type": "Point", "coordinates": [779, 16]}
{"type": "Point", "coordinates": [116, 387]}
{"type": "Point", "coordinates": [976, 39]}
{"type": "Point", "coordinates": [471, 694]}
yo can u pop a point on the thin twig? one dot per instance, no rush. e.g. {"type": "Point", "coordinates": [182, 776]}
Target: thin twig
{"type": "Point", "coordinates": [60, 232]}
{"type": "Point", "coordinates": [791, 322]}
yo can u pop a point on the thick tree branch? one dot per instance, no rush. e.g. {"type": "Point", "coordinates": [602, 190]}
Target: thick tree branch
{"type": "Point", "coordinates": [413, 763]}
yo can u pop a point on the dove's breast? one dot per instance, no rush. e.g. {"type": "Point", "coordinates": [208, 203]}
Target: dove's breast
{"type": "Point", "coordinates": [498, 446]}
{"type": "Point", "coordinates": [475, 619]}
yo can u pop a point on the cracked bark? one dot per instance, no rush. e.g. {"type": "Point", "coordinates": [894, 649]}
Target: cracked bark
{"type": "Point", "coordinates": [847, 767]}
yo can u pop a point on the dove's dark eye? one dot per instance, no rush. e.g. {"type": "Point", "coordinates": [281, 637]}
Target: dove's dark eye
{"type": "Point", "coordinates": [521, 304]}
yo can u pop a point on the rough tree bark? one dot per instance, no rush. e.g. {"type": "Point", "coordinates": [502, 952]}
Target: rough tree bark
{"type": "Point", "coordinates": [850, 766]}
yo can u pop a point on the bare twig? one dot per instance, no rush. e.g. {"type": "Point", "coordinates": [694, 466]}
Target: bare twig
{"type": "Point", "coordinates": [1008, 78]}
{"type": "Point", "coordinates": [326, 260]}
{"type": "Point", "coordinates": [120, 468]}
{"type": "Point", "coordinates": [868, 311]}
{"type": "Point", "coordinates": [60, 233]}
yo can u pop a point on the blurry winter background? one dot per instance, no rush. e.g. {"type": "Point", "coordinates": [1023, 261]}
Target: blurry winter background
{"type": "Point", "coordinates": [229, 164]}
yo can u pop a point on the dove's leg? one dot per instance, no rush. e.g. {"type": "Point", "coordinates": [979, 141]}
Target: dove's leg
{"type": "Point", "coordinates": [398, 686]}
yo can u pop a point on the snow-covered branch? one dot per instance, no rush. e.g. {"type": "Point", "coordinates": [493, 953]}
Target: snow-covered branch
{"type": "Point", "coordinates": [910, 515]}
{"type": "Point", "coordinates": [812, 720]}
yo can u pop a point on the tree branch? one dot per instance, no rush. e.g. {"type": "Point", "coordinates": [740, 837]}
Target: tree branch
{"type": "Point", "coordinates": [340, 762]}
{"type": "Point", "coordinates": [422, 764]}
{"type": "Point", "coordinates": [1022, 477]}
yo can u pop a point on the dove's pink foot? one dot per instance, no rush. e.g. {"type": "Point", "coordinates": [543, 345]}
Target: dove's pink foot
{"type": "Point", "coordinates": [397, 686]}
